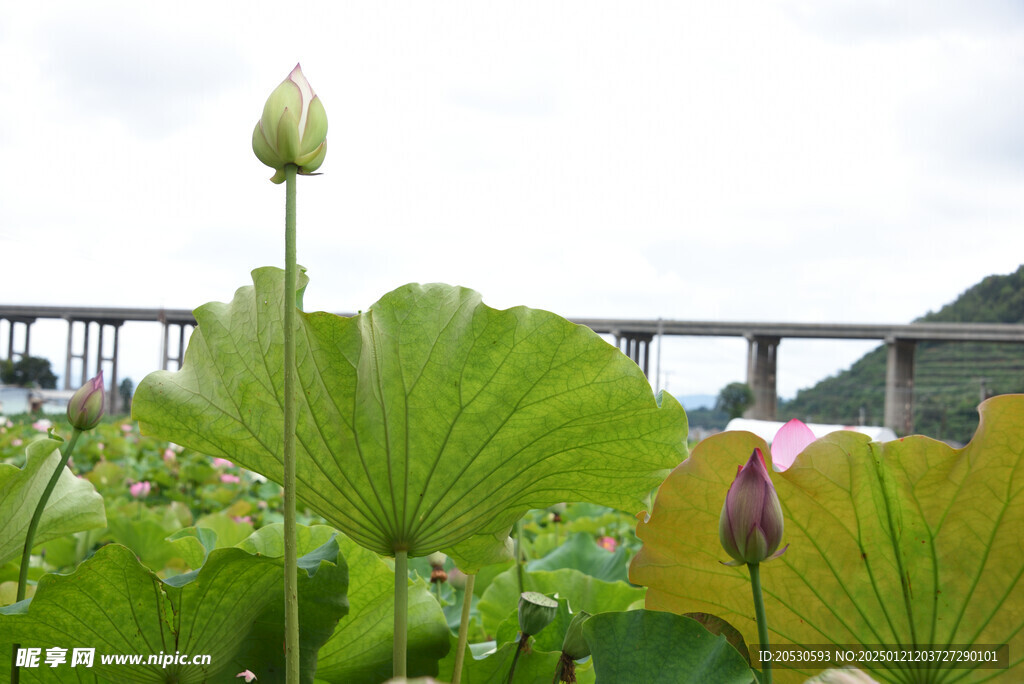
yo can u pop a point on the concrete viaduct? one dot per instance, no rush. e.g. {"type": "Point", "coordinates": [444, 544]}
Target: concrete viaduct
{"type": "Point", "coordinates": [633, 336]}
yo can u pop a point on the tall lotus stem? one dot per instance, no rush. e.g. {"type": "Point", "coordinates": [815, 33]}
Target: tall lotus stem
{"type": "Point", "coordinates": [401, 613]}
{"type": "Point", "coordinates": [460, 652]}
{"type": "Point", "coordinates": [291, 138]}
{"type": "Point", "coordinates": [291, 555]}
{"type": "Point", "coordinates": [762, 621]}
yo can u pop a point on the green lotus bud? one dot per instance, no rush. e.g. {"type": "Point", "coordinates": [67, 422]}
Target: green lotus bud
{"type": "Point", "coordinates": [86, 406]}
{"type": "Point", "coordinates": [574, 645]}
{"type": "Point", "coordinates": [293, 128]}
{"type": "Point", "coordinates": [536, 611]}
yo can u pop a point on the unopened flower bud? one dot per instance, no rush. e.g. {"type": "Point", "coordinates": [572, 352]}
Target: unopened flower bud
{"type": "Point", "coordinates": [86, 406]}
{"type": "Point", "coordinates": [751, 524]}
{"type": "Point", "coordinates": [293, 128]}
{"type": "Point", "coordinates": [536, 611]}
{"type": "Point", "coordinates": [574, 645]}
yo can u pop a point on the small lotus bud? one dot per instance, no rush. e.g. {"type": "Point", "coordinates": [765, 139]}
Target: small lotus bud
{"type": "Point", "coordinates": [536, 611]}
{"type": "Point", "coordinates": [457, 579]}
{"type": "Point", "coordinates": [574, 645]}
{"type": "Point", "coordinates": [751, 524]}
{"type": "Point", "coordinates": [293, 128]}
{"type": "Point", "coordinates": [86, 406]}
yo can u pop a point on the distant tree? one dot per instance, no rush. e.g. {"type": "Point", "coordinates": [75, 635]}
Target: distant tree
{"type": "Point", "coordinates": [734, 399]}
{"type": "Point", "coordinates": [126, 389]}
{"type": "Point", "coordinates": [28, 371]}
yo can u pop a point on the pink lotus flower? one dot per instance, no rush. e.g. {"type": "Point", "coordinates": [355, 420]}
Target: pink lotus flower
{"type": "Point", "coordinates": [228, 478]}
{"type": "Point", "coordinates": [242, 519]}
{"type": "Point", "coordinates": [169, 456]}
{"type": "Point", "coordinates": [222, 463]}
{"type": "Point", "coordinates": [790, 440]}
{"type": "Point", "coordinates": [16, 442]}
{"type": "Point", "coordinates": [607, 543]}
{"type": "Point", "coordinates": [42, 425]}
{"type": "Point", "coordinates": [751, 524]}
{"type": "Point", "coordinates": [126, 427]}
{"type": "Point", "coordinates": [140, 490]}
{"type": "Point", "coordinates": [100, 446]}
{"type": "Point", "coordinates": [249, 676]}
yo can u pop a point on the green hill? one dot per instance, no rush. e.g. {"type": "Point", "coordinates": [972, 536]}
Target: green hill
{"type": "Point", "coordinates": [950, 378]}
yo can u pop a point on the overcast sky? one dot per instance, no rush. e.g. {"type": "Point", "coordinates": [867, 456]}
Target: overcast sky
{"type": "Point", "coordinates": [857, 161]}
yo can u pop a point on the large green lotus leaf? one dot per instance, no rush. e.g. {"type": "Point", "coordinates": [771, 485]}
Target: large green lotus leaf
{"type": "Point", "coordinates": [583, 592]}
{"type": "Point", "coordinates": [424, 421]}
{"type": "Point", "coordinates": [231, 610]}
{"type": "Point", "coordinates": [74, 504]}
{"type": "Point", "coordinates": [582, 553]}
{"type": "Point", "coordinates": [360, 650]}
{"type": "Point", "coordinates": [903, 543]}
{"type": "Point", "coordinates": [655, 648]}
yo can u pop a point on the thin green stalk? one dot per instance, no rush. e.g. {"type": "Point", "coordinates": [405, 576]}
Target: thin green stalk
{"type": "Point", "coordinates": [401, 613]}
{"type": "Point", "coordinates": [30, 535]}
{"type": "Point", "coordinates": [519, 555]}
{"type": "Point", "coordinates": [515, 659]}
{"type": "Point", "coordinates": [460, 652]}
{"type": "Point", "coordinates": [37, 515]}
{"type": "Point", "coordinates": [762, 621]}
{"type": "Point", "coordinates": [291, 594]}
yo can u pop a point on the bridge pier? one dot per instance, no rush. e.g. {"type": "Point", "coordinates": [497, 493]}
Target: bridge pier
{"type": "Point", "coordinates": [762, 359]}
{"type": "Point", "coordinates": [178, 357]}
{"type": "Point", "coordinates": [27, 323]}
{"type": "Point", "coordinates": [899, 386]}
{"type": "Point", "coordinates": [637, 346]}
{"type": "Point", "coordinates": [113, 396]}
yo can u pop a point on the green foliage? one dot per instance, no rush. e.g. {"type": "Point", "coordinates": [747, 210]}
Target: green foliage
{"type": "Point", "coordinates": [73, 505]}
{"type": "Point", "coordinates": [950, 378]}
{"type": "Point", "coordinates": [359, 651]}
{"type": "Point", "coordinates": [648, 646]}
{"type": "Point", "coordinates": [231, 610]}
{"type": "Point", "coordinates": [430, 422]}
{"type": "Point", "coordinates": [734, 399]}
{"type": "Point", "coordinates": [28, 371]}
{"type": "Point", "coordinates": [909, 542]}
{"type": "Point", "coordinates": [583, 592]}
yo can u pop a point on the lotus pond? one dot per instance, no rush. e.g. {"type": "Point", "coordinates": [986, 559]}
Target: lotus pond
{"type": "Point", "coordinates": [435, 488]}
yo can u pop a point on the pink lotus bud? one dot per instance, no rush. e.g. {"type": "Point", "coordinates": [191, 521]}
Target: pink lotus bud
{"type": "Point", "coordinates": [228, 478]}
{"type": "Point", "coordinates": [86, 406]}
{"type": "Point", "coordinates": [751, 525]}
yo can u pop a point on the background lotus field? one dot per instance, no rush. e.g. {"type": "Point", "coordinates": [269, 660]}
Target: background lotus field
{"type": "Point", "coordinates": [431, 423]}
